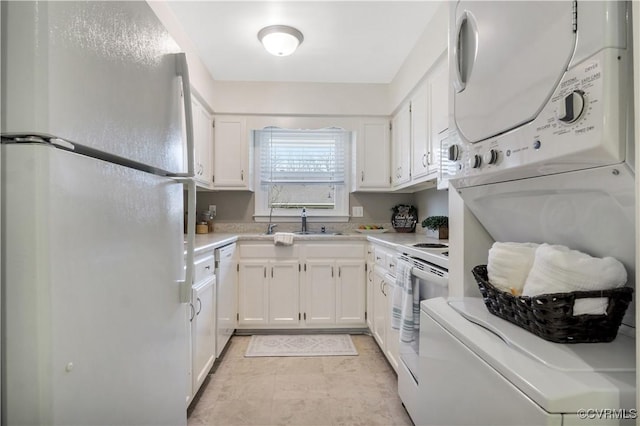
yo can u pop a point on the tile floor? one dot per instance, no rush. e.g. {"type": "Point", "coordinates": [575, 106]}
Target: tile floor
{"type": "Point", "coordinates": [323, 391]}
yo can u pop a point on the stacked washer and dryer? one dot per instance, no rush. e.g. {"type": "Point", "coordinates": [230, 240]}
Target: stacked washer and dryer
{"type": "Point", "coordinates": [540, 149]}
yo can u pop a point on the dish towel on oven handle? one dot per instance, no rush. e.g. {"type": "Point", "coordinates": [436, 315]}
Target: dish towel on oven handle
{"type": "Point", "coordinates": [405, 303]}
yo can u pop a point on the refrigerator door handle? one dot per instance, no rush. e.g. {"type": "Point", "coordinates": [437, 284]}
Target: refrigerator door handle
{"type": "Point", "coordinates": [185, 286]}
{"type": "Point", "coordinates": [182, 69]}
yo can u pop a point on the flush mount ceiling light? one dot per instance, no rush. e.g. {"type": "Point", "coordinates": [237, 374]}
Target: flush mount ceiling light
{"type": "Point", "coordinates": [280, 40]}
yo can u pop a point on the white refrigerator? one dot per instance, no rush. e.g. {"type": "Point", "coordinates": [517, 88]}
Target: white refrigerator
{"type": "Point", "coordinates": [96, 132]}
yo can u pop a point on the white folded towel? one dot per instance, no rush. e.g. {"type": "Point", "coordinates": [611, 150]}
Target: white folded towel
{"type": "Point", "coordinates": [283, 238]}
{"type": "Point", "coordinates": [509, 264]}
{"type": "Point", "coordinates": [558, 269]}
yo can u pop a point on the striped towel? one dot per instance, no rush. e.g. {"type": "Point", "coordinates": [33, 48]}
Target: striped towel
{"type": "Point", "coordinates": [405, 315]}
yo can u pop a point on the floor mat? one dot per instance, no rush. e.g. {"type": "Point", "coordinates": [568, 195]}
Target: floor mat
{"type": "Point", "coordinates": [301, 345]}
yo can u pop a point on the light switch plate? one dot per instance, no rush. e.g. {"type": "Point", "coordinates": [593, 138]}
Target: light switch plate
{"type": "Point", "coordinates": [357, 211]}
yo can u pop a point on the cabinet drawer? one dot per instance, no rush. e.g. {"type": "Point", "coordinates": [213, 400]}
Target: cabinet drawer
{"type": "Point", "coordinates": [338, 251]}
{"type": "Point", "coordinates": [380, 257]}
{"type": "Point", "coordinates": [261, 251]}
{"type": "Point", "coordinates": [203, 268]}
{"type": "Point", "coordinates": [391, 261]}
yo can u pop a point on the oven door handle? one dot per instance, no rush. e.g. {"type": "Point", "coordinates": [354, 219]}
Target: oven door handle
{"type": "Point", "coordinates": [432, 278]}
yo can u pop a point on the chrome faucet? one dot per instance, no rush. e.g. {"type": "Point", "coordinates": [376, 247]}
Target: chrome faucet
{"type": "Point", "coordinates": [270, 228]}
{"type": "Point", "coordinates": [304, 220]}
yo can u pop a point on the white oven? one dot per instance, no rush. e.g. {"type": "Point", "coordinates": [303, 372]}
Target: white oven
{"type": "Point", "coordinates": [428, 263]}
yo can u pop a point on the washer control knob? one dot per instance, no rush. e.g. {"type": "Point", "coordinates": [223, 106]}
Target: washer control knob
{"type": "Point", "coordinates": [572, 107]}
{"type": "Point", "coordinates": [491, 156]}
{"type": "Point", "coordinates": [454, 152]}
{"type": "Point", "coordinates": [475, 161]}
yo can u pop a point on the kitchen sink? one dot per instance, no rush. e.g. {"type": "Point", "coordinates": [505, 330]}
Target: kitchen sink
{"type": "Point", "coordinates": [316, 233]}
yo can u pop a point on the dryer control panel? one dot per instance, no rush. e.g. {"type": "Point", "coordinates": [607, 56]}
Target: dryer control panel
{"type": "Point", "coordinates": [583, 125]}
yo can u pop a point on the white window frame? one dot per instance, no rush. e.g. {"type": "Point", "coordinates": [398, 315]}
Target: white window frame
{"type": "Point", "coordinates": [340, 213]}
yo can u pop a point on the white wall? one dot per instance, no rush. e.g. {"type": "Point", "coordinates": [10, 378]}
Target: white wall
{"type": "Point", "coordinates": [430, 46]}
{"type": "Point", "coordinates": [200, 78]}
{"type": "Point", "coordinates": [236, 97]}
{"type": "Point", "coordinates": [300, 98]}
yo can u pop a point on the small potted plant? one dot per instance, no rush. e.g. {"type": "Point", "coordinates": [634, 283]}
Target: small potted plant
{"type": "Point", "coordinates": [438, 223]}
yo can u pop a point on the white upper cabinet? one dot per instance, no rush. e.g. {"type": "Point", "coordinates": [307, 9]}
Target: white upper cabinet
{"type": "Point", "coordinates": [416, 130]}
{"type": "Point", "coordinates": [232, 154]}
{"type": "Point", "coordinates": [203, 143]}
{"type": "Point", "coordinates": [372, 151]}
{"type": "Point", "coordinates": [420, 135]}
{"type": "Point", "coordinates": [438, 110]}
{"type": "Point", "coordinates": [401, 146]}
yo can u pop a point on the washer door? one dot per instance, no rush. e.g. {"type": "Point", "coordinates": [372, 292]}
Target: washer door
{"type": "Point", "coordinates": [507, 59]}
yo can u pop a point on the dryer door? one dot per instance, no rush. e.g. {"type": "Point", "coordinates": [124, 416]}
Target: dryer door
{"type": "Point", "coordinates": [507, 59]}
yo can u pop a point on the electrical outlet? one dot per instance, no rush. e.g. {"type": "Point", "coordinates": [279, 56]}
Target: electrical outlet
{"type": "Point", "coordinates": [212, 209]}
{"type": "Point", "coordinates": [357, 211]}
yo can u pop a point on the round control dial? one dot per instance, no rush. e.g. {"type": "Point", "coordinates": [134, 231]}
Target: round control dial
{"type": "Point", "coordinates": [572, 107]}
{"type": "Point", "coordinates": [491, 156]}
{"type": "Point", "coordinates": [475, 161]}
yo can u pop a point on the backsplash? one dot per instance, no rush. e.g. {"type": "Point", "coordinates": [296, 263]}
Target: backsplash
{"type": "Point", "coordinates": [235, 211]}
{"type": "Point", "coordinates": [259, 228]}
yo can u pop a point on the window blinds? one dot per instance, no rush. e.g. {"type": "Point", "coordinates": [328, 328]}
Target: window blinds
{"type": "Point", "coordinates": [302, 156]}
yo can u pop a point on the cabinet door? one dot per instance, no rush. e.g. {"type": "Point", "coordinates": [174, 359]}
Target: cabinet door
{"type": "Point", "coordinates": [284, 298]}
{"type": "Point", "coordinates": [350, 292]}
{"type": "Point", "coordinates": [420, 134]}
{"type": "Point", "coordinates": [253, 301]}
{"type": "Point", "coordinates": [373, 156]}
{"type": "Point", "coordinates": [231, 154]}
{"type": "Point", "coordinates": [438, 111]}
{"type": "Point", "coordinates": [203, 331]}
{"type": "Point", "coordinates": [379, 308]}
{"type": "Point", "coordinates": [203, 141]}
{"type": "Point", "coordinates": [320, 291]}
{"type": "Point", "coordinates": [392, 336]}
{"type": "Point", "coordinates": [370, 293]}
{"type": "Point", "coordinates": [401, 143]}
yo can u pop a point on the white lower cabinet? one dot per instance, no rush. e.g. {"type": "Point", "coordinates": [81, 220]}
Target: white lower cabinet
{"type": "Point", "coordinates": [379, 308]}
{"type": "Point", "coordinates": [269, 292]}
{"type": "Point", "coordinates": [320, 290]}
{"type": "Point", "coordinates": [350, 292]}
{"type": "Point", "coordinates": [370, 293]}
{"type": "Point", "coordinates": [201, 323]}
{"type": "Point", "coordinates": [382, 286]}
{"type": "Point", "coordinates": [392, 336]}
{"type": "Point", "coordinates": [203, 329]}
{"type": "Point", "coordinates": [253, 293]}
{"type": "Point", "coordinates": [284, 292]}
{"type": "Point", "coordinates": [302, 286]}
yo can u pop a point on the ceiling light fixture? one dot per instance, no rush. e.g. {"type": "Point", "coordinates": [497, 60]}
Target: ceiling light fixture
{"type": "Point", "coordinates": [280, 40]}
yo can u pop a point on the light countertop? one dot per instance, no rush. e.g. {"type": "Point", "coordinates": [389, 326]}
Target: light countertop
{"type": "Point", "coordinates": [205, 242]}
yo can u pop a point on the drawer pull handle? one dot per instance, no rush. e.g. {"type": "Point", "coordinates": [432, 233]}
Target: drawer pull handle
{"type": "Point", "coordinates": [193, 312]}
{"type": "Point", "coordinates": [208, 267]}
{"type": "Point", "coordinates": [199, 306]}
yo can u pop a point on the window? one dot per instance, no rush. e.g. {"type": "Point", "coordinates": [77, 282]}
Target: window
{"type": "Point", "coordinates": [301, 168]}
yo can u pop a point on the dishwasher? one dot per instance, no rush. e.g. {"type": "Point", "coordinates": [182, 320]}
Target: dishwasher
{"type": "Point", "coordinates": [227, 295]}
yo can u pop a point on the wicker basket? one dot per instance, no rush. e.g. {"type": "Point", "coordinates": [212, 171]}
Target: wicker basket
{"type": "Point", "coordinates": [550, 316]}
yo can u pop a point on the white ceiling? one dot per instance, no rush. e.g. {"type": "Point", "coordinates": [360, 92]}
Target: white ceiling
{"type": "Point", "coordinates": [344, 41]}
